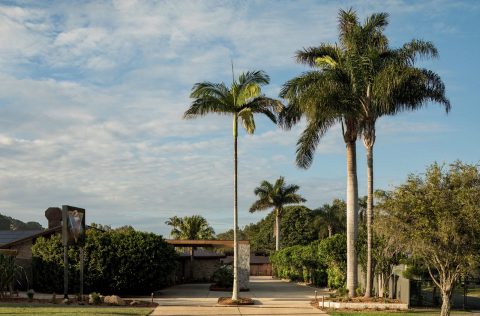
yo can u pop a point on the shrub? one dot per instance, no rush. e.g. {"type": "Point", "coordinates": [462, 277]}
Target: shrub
{"type": "Point", "coordinates": [223, 276]}
{"type": "Point", "coordinates": [96, 299]}
{"type": "Point", "coordinates": [119, 261]}
{"type": "Point", "coordinates": [30, 294]}
{"type": "Point", "coordinates": [323, 262]}
{"type": "Point", "coordinates": [10, 273]}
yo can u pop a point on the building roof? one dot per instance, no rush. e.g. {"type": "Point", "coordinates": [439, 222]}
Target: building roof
{"type": "Point", "coordinates": [17, 237]}
{"type": "Point", "coordinates": [203, 254]}
{"type": "Point", "coordinates": [204, 243]}
{"type": "Point", "coordinates": [8, 236]}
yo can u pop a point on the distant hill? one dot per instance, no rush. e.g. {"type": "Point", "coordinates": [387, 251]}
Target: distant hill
{"type": "Point", "coordinates": [9, 223]}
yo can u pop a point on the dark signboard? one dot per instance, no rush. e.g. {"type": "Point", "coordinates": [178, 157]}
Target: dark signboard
{"type": "Point", "coordinates": [73, 225]}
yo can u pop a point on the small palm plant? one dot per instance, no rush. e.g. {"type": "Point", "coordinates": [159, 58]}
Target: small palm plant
{"type": "Point", "coordinates": [241, 100]}
{"type": "Point", "coordinates": [276, 196]}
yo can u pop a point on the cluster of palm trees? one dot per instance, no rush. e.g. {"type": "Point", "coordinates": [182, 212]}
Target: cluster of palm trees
{"type": "Point", "coordinates": [353, 83]}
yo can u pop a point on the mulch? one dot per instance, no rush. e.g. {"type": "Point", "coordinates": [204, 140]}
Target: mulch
{"type": "Point", "coordinates": [72, 302]}
{"type": "Point", "coordinates": [241, 301]}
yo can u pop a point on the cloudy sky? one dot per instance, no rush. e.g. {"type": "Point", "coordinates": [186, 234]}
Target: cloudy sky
{"type": "Point", "coordinates": [92, 95]}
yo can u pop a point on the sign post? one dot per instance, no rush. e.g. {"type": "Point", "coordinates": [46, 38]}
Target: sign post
{"type": "Point", "coordinates": [73, 233]}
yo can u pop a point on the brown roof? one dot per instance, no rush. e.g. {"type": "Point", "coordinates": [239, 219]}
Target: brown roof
{"type": "Point", "coordinates": [204, 243]}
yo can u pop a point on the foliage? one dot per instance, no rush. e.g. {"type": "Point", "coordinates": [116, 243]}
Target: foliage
{"type": "Point", "coordinates": [190, 227]}
{"type": "Point", "coordinates": [10, 273]}
{"type": "Point", "coordinates": [330, 219]}
{"type": "Point", "coordinates": [321, 262]}
{"type": "Point", "coordinates": [30, 294]}
{"type": "Point", "coordinates": [223, 276]}
{"type": "Point", "coordinates": [116, 261]}
{"type": "Point", "coordinates": [96, 299]}
{"type": "Point", "coordinates": [297, 228]}
{"type": "Point", "coordinates": [434, 217]}
{"type": "Point", "coordinates": [276, 196]}
{"type": "Point", "coordinates": [10, 223]}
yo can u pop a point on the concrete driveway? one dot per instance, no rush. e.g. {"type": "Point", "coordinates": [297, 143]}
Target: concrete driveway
{"type": "Point", "coordinates": [272, 297]}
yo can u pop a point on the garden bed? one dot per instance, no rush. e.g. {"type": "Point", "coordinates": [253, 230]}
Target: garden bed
{"type": "Point", "coordinates": [241, 301]}
{"type": "Point", "coordinates": [71, 301]}
{"type": "Point", "coordinates": [360, 304]}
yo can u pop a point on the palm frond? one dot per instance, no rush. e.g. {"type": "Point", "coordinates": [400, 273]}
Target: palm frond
{"type": "Point", "coordinates": [205, 105]}
{"type": "Point", "coordinates": [309, 55]}
{"type": "Point", "coordinates": [308, 141]}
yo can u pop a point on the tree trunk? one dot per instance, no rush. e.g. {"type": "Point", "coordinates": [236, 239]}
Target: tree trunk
{"type": "Point", "coordinates": [445, 311]}
{"type": "Point", "coordinates": [330, 230]}
{"type": "Point", "coordinates": [277, 230]}
{"type": "Point", "coordinates": [352, 218]}
{"type": "Point", "coordinates": [235, 211]}
{"type": "Point", "coordinates": [369, 278]}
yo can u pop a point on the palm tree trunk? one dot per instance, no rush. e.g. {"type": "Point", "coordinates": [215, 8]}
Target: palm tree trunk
{"type": "Point", "coordinates": [277, 230]}
{"type": "Point", "coordinates": [330, 230]}
{"type": "Point", "coordinates": [369, 278]}
{"type": "Point", "coordinates": [235, 211]}
{"type": "Point", "coordinates": [352, 218]}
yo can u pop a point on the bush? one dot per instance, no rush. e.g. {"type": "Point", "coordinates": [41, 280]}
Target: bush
{"type": "Point", "coordinates": [96, 299]}
{"type": "Point", "coordinates": [223, 276]}
{"type": "Point", "coordinates": [116, 261]}
{"type": "Point", "coordinates": [323, 262]}
{"type": "Point", "coordinates": [10, 273]}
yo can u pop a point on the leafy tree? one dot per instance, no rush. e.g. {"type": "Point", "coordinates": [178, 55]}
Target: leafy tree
{"type": "Point", "coordinates": [242, 100]}
{"type": "Point", "coordinates": [434, 217]}
{"type": "Point", "coordinates": [10, 223]}
{"type": "Point", "coordinates": [276, 196]}
{"type": "Point", "coordinates": [190, 227]}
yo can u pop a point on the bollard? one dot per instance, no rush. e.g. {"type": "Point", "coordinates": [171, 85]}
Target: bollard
{"type": "Point", "coordinates": [152, 297]}
{"type": "Point", "coordinates": [323, 301]}
{"type": "Point", "coordinates": [316, 296]}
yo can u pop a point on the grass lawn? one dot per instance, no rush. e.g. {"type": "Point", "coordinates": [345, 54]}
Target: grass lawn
{"type": "Point", "coordinates": [394, 313]}
{"type": "Point", "coordinates": [39, 310]}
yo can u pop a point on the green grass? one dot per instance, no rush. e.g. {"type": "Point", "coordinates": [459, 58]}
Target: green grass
{"type": "Point", "coordinates": [393, 313]}
{"type": "Point", "coordinates": [39, 310]}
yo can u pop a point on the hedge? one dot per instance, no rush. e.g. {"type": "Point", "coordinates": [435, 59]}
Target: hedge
{"type": "Point", "coordinates": [323, 262]}
{"type": "Point", "coordinates": [116, 262]}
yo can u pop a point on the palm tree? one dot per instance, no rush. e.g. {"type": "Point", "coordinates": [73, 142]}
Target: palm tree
{"type": "Point", "coordinates": [391, 84]}
{"type": "Point", "coordinates": [242, 100]}
{"type": "Point", "coordinates": [327, 96]}
{"type": "Point", "coordinates": [331, 216]}
{"type": "Point", "coordinates": [276, 196]}
{"type": "Point", "coordinates": [190, 227]}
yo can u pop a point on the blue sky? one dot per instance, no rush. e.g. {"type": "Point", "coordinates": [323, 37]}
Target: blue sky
{"type": "Point", "coordinates": [92, 95]}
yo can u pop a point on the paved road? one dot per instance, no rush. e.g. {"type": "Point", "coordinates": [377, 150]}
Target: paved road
{"type": "Point", "coordinates": [272, 297]}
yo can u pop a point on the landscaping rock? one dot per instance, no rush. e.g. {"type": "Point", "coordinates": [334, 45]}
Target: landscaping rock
{"type": "Point", "coordinates": [114, 300]}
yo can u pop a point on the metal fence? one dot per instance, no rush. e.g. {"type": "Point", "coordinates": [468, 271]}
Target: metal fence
{"type": "Point", "coordinates": [466, 294]}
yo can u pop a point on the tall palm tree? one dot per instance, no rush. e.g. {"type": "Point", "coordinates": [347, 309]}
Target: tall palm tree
{"type": "Point", "coordinates": [327, 96]}
{"type": "Point", "coordinates": [391, 84]}
{"type": "Point", "coordinates": [276, 196]}
{"type": "Point", "coordinates": [242, 100]}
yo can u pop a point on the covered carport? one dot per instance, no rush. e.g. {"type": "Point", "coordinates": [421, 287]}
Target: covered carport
{"type": "Point", "coordinates": [243, 255]}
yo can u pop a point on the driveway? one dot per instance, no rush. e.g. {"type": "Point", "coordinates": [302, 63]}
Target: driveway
{"type": "Point", "coordinates": [272, 297]}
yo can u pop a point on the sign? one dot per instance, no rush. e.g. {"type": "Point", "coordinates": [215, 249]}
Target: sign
{"type": "Point", "coordinates": [73, 225]}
